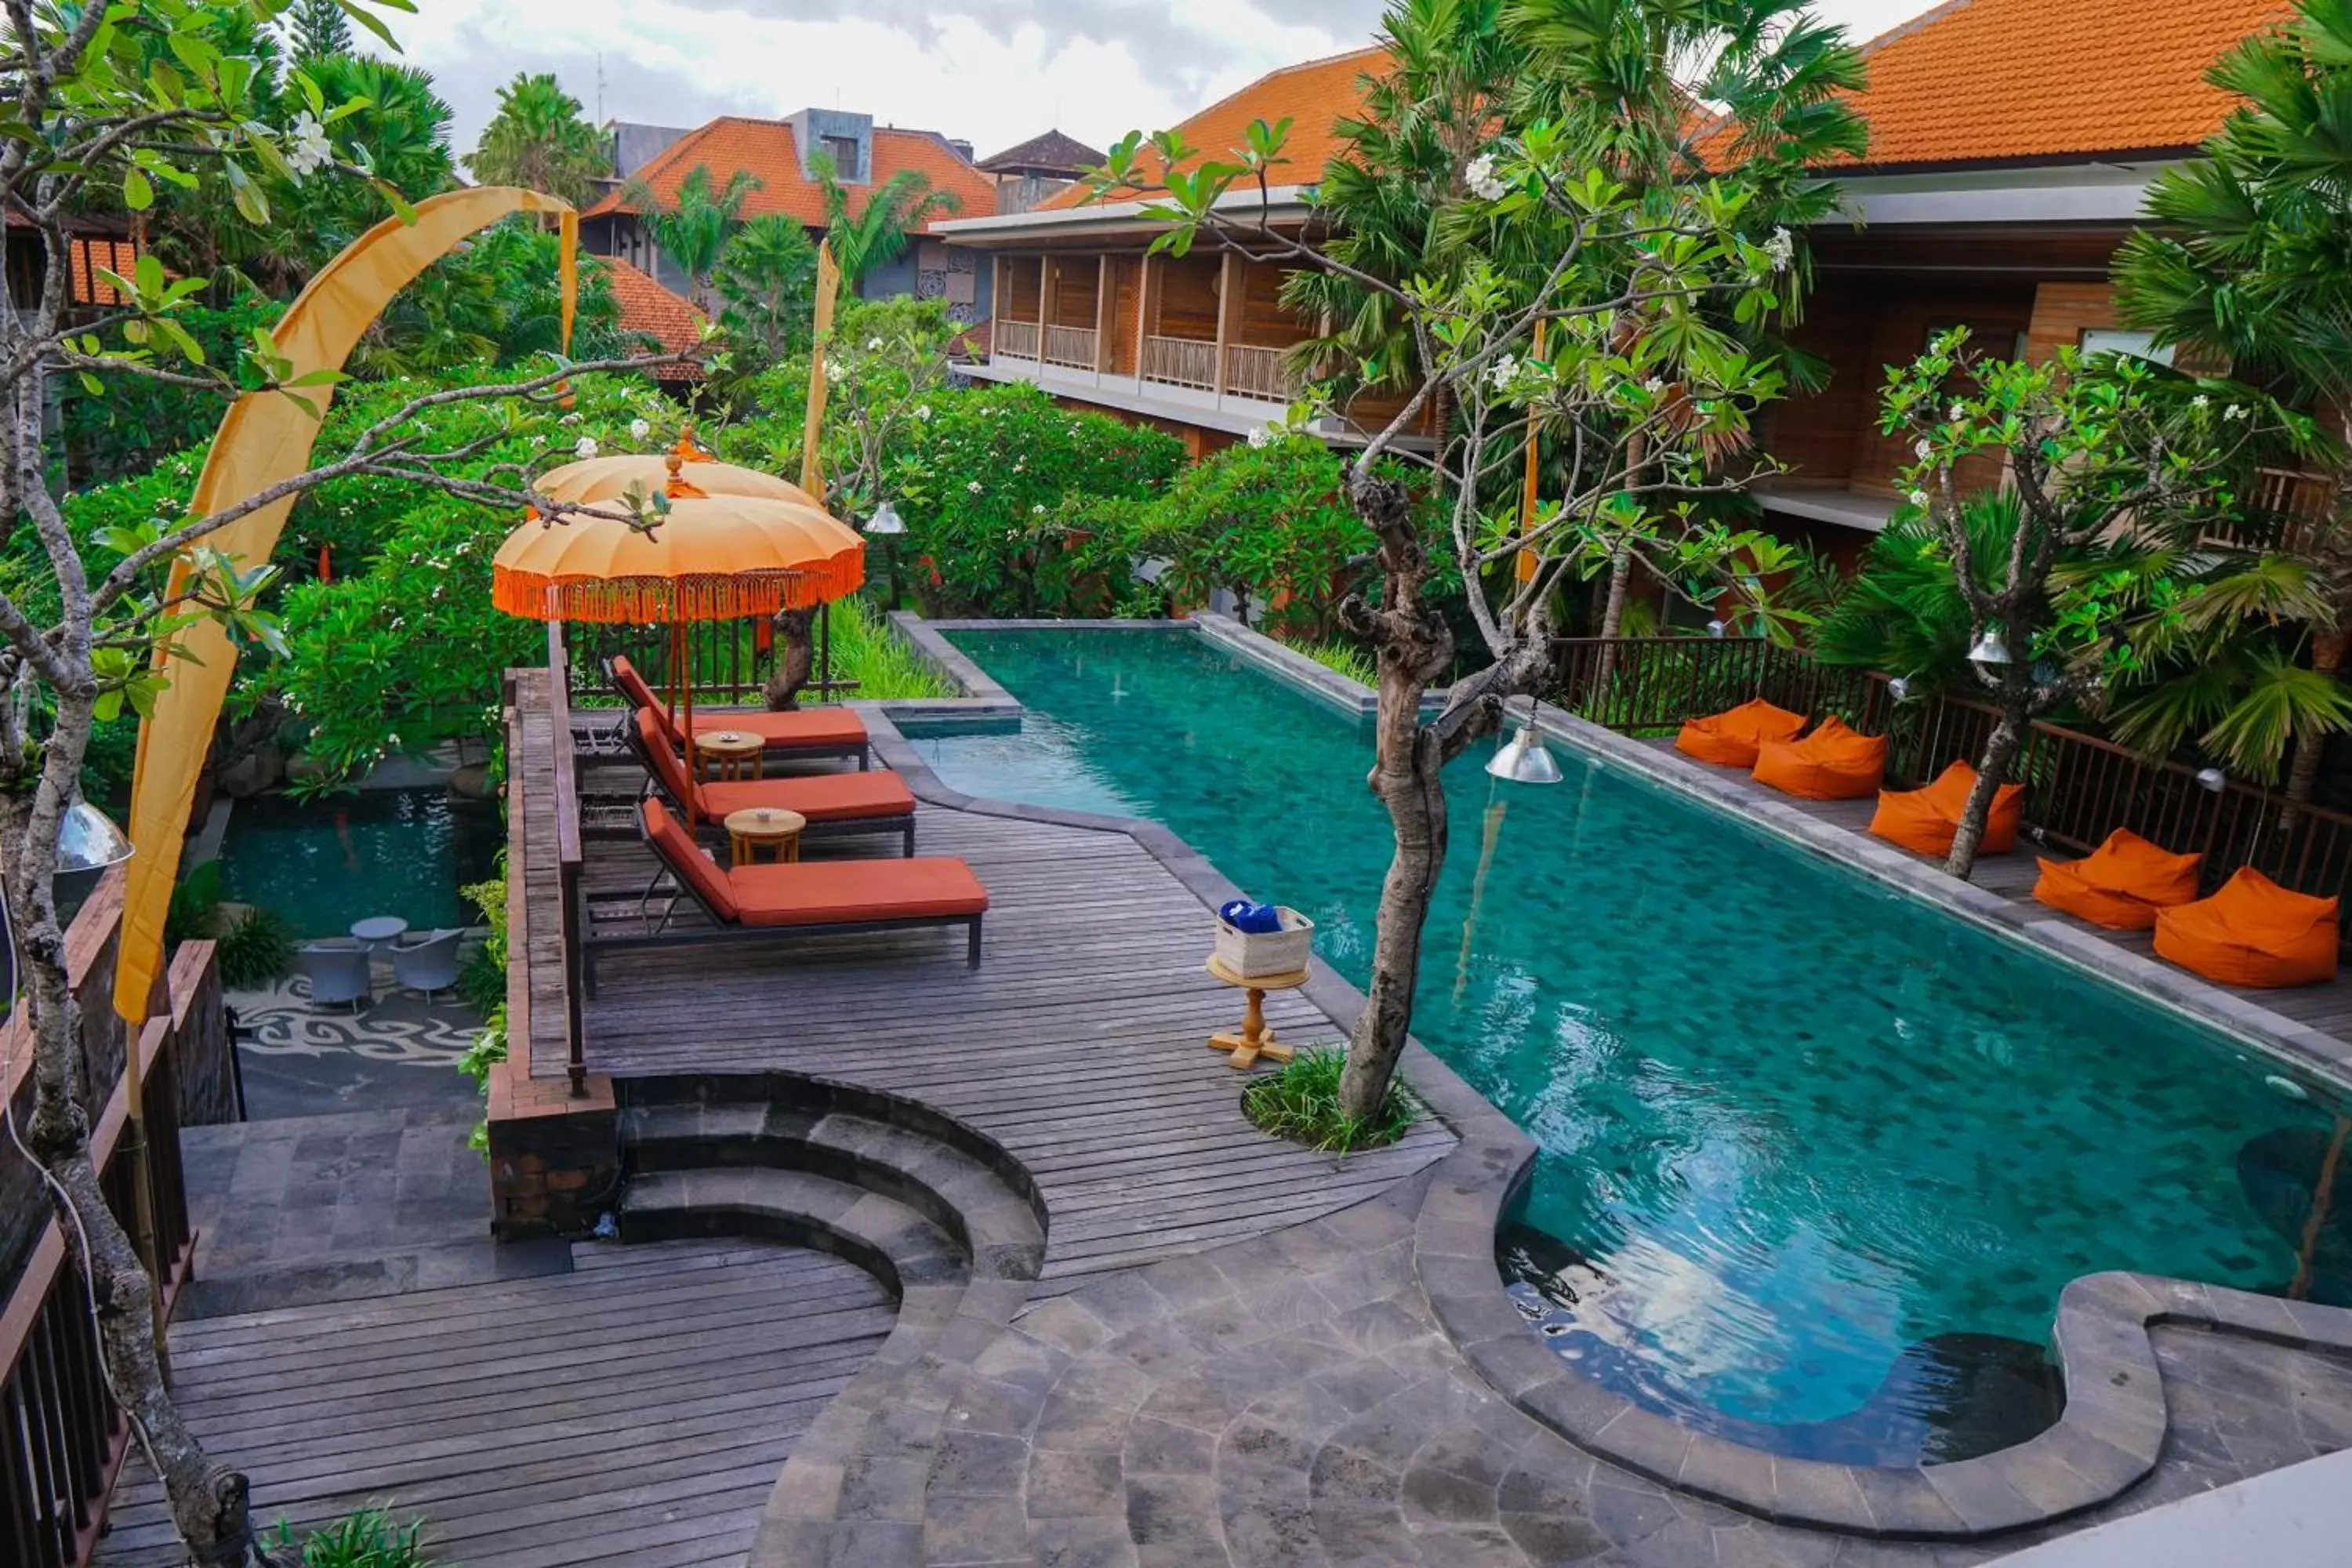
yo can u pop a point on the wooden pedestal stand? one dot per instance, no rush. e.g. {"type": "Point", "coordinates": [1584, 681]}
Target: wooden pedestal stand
{"type": "Point", "coordinates": [1254, 1038]}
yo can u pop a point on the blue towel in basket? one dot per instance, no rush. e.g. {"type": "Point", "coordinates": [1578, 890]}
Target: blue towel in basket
{"type": "Point", "coordinates": [1257, 919]}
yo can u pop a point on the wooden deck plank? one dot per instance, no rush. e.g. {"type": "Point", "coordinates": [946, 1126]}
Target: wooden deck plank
{"type": "Point", "coordinates": [1078, 1044]}
{"type": "Point", "coordinates": [567, 1420]}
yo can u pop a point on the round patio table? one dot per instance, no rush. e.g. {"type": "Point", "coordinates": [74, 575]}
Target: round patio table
{"type": "Point", "coordinates": [379, 930]}
{"type": "Point", "coordinates": [764, 827]}
{"type": "Point", "coordinates": [1254, 1038]}
{"type": "Point", "coordinates": [728, 754]}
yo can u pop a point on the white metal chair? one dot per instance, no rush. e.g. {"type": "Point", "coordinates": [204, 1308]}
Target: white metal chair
{"type": "Point", "coordinates": [337, 974]}
{"type": "Point", "coordinates": [430, 966]}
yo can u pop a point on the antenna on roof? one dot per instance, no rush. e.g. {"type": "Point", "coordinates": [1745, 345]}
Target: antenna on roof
{"type": "Point", "coordinates": [600, 87]}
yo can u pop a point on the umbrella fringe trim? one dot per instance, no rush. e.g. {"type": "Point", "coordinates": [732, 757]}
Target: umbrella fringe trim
{"type": "Point", "coordinates": [645, 600]}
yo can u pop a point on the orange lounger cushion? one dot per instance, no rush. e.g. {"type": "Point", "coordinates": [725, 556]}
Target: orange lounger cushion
{"type": "Point", "coordinates": [820, 797]}
{"type": "Point", "coordinates": [2120, 884]}
{"type": "Point", "coordinates": [806, 727]}
{"type": "Point", "coordinates": [844, 892]}
{"type": "Point", "coordinates": [1925, 820]}
{"type": "Point", "coordinates": [1835, 762]}
{"type": "Point", "coordinates": [2253, 932]}
{"type": "Point", "coordinates": [1731, 737]}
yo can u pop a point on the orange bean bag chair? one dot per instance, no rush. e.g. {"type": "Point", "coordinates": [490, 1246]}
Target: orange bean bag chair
{"type": "Point", "coordinates": [1834, 763]}
{"type": "Point", "coordinates": [2120, 884]}
{"type": "Point", "coordinates": [2253, 932]}
{"type": "Point", "coordinates": [1731, 737]}
{"type": "Point", "coordinates": [1925, 820]}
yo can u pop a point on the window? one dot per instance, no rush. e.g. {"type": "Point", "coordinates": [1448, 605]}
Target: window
{"type": "Point", "coordinates": [844, 151]}
{"type": "Point", "coordinates": [2115, 341]}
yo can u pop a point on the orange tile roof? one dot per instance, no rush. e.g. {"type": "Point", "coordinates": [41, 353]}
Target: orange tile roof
{"type": "Point", "coordinates": [1989, 80]}
{"type": "Point", "coordinates": [670, 319]}
{"type": "Point", "coordinates": [1315, 94]}
{"type": "Point", "coordinates": [765, 148]}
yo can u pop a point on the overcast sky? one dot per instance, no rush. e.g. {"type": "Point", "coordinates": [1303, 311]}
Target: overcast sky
{"type": "Point", "coordinates": [994, 72]}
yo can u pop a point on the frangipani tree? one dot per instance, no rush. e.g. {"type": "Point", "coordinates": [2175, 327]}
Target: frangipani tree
{"type": "Point", "coordinates": [101, 119]}
{"type": "Point", "coordinates": [2109, 451]}
{"type": "Point", "coordinates": [1639, 390]}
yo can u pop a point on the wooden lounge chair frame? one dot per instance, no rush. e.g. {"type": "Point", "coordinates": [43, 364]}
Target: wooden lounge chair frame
{"type": "Point", "coordinates": [861, 753]}
{"type": "Point", "coordinates": [850, 828]}
{"type": "Point", "coordinates": [723, 931]}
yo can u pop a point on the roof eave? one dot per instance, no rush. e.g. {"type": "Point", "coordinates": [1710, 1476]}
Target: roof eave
{"type": "Point", "coordinates": [1281, 203]}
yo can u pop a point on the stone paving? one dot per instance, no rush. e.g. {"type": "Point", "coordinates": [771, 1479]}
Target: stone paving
{"type": "Point", "coordinates": [1293, 1400]}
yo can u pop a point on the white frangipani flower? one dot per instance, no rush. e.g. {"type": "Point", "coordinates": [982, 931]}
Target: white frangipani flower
{"type": "Point", "coordinates": [1655, 385]}
{"type": "Point", "coordinates": [1782, 249]}
{"type": "Point", "coordinates": [1480, 177]}
{"type": "Point", "coordinates": [1960, 412]}
{"type": "Point", "coordinates": [2200, 403]}
{"type": "Point", "coordinates": [1260, 438]}
{"type": "Point", "coordinates": [973, 486]}
{"type": "Point", "coordinates": [874, 345]}
{"type": "Point", "coordinates": [1919, 499]}
{"type": "Point", "coordinates": [311, 151]}
{"type": "Point", "coordinates": [2235, 411]}
{"type": "Point", "coordinates": [1924, 449]}
{"type": "Point", "coordinates": [640, 429]}
{"type": "Point", "coordinates": [1499, 373]}
{"type": "Point", "coordinates": [922, 411]}
{"type": "Point", "coordinates": [585, 447]}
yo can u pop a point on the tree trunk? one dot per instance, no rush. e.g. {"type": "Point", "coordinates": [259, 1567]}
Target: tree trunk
{"type": "Point", "coordinates": [796, 658]}
{"type": "Point", "coordinates": [2328, 652]}
{"type": "Point", "coordinates": [1992, 772]}
{"type": "Point", "coordinates": [1612, 619]}
{"type": "Point", "coordinates": [1408, 776]}
{"type": "Point", "coordinates": [208, 1501]}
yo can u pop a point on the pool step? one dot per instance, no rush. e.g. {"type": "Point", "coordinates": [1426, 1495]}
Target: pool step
{"type": "Point", "coordinates": [992, 1225]}
{"type": "Point", "coordinates": [906, 1251]}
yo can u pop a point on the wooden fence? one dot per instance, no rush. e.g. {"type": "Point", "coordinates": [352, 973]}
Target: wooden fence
{"type": "Point", "coordinates": [61, 1434]}
{"type": "Point", "coordinates": [2078, 786]}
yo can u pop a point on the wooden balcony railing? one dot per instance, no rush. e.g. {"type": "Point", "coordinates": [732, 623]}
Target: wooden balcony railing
{"type": "Point", "coordinates": [1071, 347]}
{"type": "Point", "coordinates": [1181, 362]}
{"type": "Point", "coordinates": [1014, 339]}
{"type": "Point", "coordinates": [1255, 371]}
{"type": "Point", "coordinates": [62, 1438]}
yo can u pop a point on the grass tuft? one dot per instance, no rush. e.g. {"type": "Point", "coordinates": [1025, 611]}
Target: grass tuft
{"type": "Point", "coordinates": [1301, 1102]}
{"type": "Point", "coordinates": [1345, 658]}
{"type": "Point", "coordinates": [368, 1539]}
{"type": "Point", "coordinates": [864, 650]}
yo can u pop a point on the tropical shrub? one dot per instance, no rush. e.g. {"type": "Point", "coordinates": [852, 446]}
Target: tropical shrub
{"type": "Point", "coordinates": [1266, 522]}
{"type": "Point", "coordinates": [864, 650]}
{"type": "Point", "coordinates": [368, 1539]}
{"type": "Point", "coordinates": [483, 982]}
{"type": "Point", "coordinates": [1301, 1102]}
{"type": "Point", "coordinates": [1001, 490]}
{"type": "Point", "coordinates": [254, 949]}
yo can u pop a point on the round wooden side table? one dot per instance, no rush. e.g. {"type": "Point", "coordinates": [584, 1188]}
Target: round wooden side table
{"type": "Point", "coordinates": [764, 827]}
{"type": "Point", "coordinates": [1254, 1038]}
{"type": "Point", "coordinates": [728, 754]}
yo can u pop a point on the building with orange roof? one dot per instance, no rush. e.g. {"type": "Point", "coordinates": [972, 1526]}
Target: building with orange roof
{"type": "Point", "coordinates": [1193, 342]}
{"type": "Point", "coordinates": [2012, 143]}
{"type": "Point", "coordinates": [777, 153]}
{"type": "Point", "coordinates": [654, 313]}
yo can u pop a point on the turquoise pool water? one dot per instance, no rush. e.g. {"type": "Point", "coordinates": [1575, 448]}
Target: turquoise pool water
{"type": "Point", "coordinates": [1816, 1159]}
{"type": "Point", "coordinates": [323, 863]}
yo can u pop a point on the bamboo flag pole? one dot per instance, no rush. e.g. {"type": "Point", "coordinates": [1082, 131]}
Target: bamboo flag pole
{"type": "Point", "coordinates": [828, 281]}
{"type": "Point", "coordinates": [1525, 565]}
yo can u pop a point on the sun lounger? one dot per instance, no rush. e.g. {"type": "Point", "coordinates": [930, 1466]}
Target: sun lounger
{"type": "Point", "coordinates": [806, 897]}
{"type": "Point", "coordinates": [803, 732]}
{"type": "Point", "coordinates": [2253, 932]}
{"type": "Point", "coordinates": [1732, 737]}
{"type": "Point", "coordinates": [1834, 763]}
{"type": "Point", "coordinates": [841, 803]}
{"type": "Point", "coordinates": [1925, 820]}
{"type": "Point", "coordinates": [2122, 884]}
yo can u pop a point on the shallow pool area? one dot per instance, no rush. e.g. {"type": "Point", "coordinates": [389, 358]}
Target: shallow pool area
{"type": "Point", "coordinates": [1816, 1159]}
{"type": "Point", "coordinates": [323, 863]}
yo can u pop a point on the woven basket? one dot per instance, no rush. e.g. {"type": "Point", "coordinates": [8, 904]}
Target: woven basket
{"type": "Point", "coordinates": [1253, 953]}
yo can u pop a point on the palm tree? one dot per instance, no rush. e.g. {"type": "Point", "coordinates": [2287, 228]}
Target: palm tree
{"type": "Point", "coordinates": [539, 140]}
{"type": "Point", "coordinates": [1636, 83]}
{"type": "Point", "coordinates": [876, 232]}
{"type": "Point", "coordinates": [767, 277]}
{"type": "Point", "coordinates": [2251, 262]}
{"type": "Point", "coordinates": [693, 232]}
{"type": "Point", "coordinates": [317, 29]}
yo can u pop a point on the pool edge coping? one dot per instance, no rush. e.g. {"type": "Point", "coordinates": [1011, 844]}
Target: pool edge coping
{"type": "Point", "coordinates": [2108, 1437]}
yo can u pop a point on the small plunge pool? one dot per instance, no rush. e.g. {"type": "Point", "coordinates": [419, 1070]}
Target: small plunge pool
{"type": "Point", "coordinates": [1816, 1159]}
{"type": "Point", "coordinates": [323, 863]}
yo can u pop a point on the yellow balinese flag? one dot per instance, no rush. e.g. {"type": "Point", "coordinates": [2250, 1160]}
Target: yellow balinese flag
{"type": "Point", "coordinates": [264, 439]}
{"type": "Point", "coordinates": [828, 282]}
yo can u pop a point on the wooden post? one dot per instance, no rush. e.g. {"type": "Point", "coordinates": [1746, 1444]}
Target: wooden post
{"type": "Point", "coordinates": [997, 295]}
{"type": "Point", "coordinates": [1102, 312]}
{"type": "Point", "coordinates": [1146, 305]}
{"type": "Point", "coordinates": [1044, 299]}
{"type": "Point", "coordinates": [1228, 284]}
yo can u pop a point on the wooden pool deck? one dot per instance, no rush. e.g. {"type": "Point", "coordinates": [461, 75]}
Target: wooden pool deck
{"type": "Point", "coordinates": [2312, 1022]}
{"type": "Point", "coordinates": [1079, 1043]}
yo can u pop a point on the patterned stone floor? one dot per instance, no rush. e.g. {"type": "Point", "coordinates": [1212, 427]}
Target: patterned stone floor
{"type": "Point", "coordinates": [1292, 1401]}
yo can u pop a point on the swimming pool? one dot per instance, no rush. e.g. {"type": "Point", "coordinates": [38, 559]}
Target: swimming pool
{"type": "Point", "coordinates": [1816, 1159]}
{"type": "Point", "coordinates": [323, 863]}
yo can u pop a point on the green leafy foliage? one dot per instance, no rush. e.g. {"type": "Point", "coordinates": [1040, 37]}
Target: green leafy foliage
{"type": "Point", "coordinates": [1301, 1102]}
{"type": "Point", "coordinates": [483, 982]}
{"type": "Point", "coordinates": [1343, 658]}
{"type": "Point", "coordinates": [539, 140]}
{"type": "Point", "coordinates": [195, 904]}
{"type": "Point", "coordinates": [254, 949]}
{"type": "Point", "coordinates": [864, 650]}
{"type": "Point", "coordinates": [368, 1539]}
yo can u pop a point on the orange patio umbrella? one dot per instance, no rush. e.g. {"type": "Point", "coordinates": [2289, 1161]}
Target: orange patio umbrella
{"type": "Point", "coordinates": [595, 480]}
{"type": "Point", "coordinates": [710, 557]}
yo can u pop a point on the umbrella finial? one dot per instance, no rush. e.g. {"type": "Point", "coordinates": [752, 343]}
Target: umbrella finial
{"type": "Point", "coordinates": [679, 490]}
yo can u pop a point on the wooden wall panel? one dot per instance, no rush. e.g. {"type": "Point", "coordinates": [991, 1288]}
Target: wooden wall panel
{"type": "Point", "coordinates": [1188, 297]}
{"type": "Point", "coordinates": [1264, 322]}
{"type": "Point", "coordinates": [1071, 298]}
{"type": "Point", "coordinates": [2063, 313]}
{"type": "Point", "coordinates": [1126, 302]}
{"type": "Point", "coordinates": [1019, 300]}
{"type": "Point", "coordinates": [1997, 318]}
